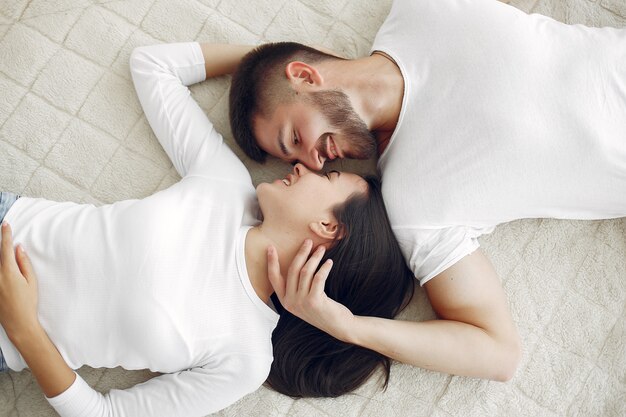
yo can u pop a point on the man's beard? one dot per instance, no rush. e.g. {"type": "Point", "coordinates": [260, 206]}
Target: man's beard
{"type": "Point", "coordinates": [336, 108]}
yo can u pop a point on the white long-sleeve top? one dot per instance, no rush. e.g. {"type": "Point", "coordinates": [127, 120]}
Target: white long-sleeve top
{"type": "Point", "coordinates": [505, 116]}
{"type": "Point", "coordinates": [158, 283]}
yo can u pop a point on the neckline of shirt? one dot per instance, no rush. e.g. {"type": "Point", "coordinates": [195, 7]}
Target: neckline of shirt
{"type": "Point", "coordinates": [240, 255]}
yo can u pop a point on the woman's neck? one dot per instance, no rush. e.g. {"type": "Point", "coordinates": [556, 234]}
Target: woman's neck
{"type": "Point", "coordinates": [256, 244]}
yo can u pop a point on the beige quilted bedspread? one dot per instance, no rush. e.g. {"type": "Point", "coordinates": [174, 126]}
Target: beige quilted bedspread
{"type": "Point", "coordinates": [71, 128]}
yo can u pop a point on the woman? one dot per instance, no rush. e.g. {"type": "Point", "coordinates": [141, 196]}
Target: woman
{"type": "Point", "coordinates": [177, 282]}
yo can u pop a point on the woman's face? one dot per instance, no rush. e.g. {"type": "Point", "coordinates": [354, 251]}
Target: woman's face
{"type": "Point", "coordinates": [303, 196]}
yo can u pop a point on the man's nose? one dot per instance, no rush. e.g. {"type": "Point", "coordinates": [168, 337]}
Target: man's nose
{"type": "Point", "coordinates": [313, 161]}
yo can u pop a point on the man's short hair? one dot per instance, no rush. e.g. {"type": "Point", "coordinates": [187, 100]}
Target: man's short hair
{"type": "Point", "coordinates": [259, 84]}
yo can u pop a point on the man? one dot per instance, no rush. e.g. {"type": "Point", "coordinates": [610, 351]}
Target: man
{"type": "Point", "coordinates": [481, 114]}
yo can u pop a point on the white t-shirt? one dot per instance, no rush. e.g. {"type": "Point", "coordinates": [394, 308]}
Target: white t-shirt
{"type": "Point", "coordinates": [158, 283]}
{"type": "Point", "coordinates": [505, 116]}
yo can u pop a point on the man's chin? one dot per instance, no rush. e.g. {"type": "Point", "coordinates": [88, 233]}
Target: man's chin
{"type": "Point", "coordinates": [362, 150]}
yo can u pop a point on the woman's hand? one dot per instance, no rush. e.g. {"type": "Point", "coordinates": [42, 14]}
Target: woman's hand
{"type": "Point", "coordinates": [18, 316]}
{"type": "Point", "coordinates": [302, 292]}
{"type": "Point", "coordinates": [18, 287]}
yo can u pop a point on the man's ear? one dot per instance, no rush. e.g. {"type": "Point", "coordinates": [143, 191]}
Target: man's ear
{"type": "Point", "coordinates": [303, 75]}
{"type": "Point", "coordinates": [328, 230]}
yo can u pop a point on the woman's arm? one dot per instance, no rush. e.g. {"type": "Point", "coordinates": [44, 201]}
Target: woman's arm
{"type": "Point", "coordinates": [475, 335]}
{"type": "Point", "coordinates": [18, 317]}
{"type": "Point", "coordinates": [194, 392]}
{"type": "Point", "coordinates": [161, 75]}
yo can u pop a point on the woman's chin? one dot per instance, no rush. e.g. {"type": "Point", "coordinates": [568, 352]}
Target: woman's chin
{"type": "Point", "coordinates": [263, 192]}
{"type": "Point", "coordinates": [265, 188]}
{"type": "Point", "coordinates": [261, 189]}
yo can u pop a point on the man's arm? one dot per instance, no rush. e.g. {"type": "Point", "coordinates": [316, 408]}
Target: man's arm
{"type": "Point", "coordinates": [475, 335]}
{"type": "Point", "coordinates": [221, 59]}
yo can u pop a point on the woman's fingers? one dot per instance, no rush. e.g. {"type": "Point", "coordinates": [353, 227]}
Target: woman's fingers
{"type": "Point", "coordinates": [308, 271]}
{"type": "Point", "coordinates": [302, 281]}
{"type": "Point", "coordinates": [26, 267]}
{"type": "Point", "coordinates": [319, 280]}
{"type": "Point", "coordinates": [298, 262]}
{"type": "Point", "coordinates": [302, 291]}
{"type": "Point", "coordinates": [14, 260]}
{"type": "Point", "coordinates": [6, 250]}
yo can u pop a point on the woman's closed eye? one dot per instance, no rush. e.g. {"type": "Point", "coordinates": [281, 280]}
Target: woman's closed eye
{"type": "Point", "coordinates": [296, 140]}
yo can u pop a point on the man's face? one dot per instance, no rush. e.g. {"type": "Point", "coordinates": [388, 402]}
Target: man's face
{"type": "Point", "coordinates": [318, 128]}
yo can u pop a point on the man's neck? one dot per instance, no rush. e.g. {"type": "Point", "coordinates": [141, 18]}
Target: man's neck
{"type": "Point", "coordinates": [375, 87]}
{"type": "Point", "coordinates": [394, 86]}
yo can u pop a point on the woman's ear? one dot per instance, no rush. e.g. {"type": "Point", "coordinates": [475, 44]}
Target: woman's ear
{"type": "Point", "coordinates": [303, 75]}
{"type": "Point", "coordinates": [328, 230]}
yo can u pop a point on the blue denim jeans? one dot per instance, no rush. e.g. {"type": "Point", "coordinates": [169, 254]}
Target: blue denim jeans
{"type": "Point", "coordinates": [6, 201]}
{"type": "Point", "coordinates": [3, 365]}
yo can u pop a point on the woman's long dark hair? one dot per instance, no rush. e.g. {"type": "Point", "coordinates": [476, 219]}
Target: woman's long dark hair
{"type": "Point", "coordinates": [370, 277]}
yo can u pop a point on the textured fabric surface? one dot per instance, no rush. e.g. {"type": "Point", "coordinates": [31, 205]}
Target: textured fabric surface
{"type": "Point", "coordinates": [71, 128]}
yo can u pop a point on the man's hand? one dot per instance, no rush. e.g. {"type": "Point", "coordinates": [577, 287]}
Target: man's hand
{"type": "Point", "coordinates": [302, 292]}
{"type": "Point", "coordinates": [18, 287]}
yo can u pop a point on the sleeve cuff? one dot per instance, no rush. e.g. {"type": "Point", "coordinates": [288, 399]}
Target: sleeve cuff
{"type": "Point", "coordinates": [467, 250]}
{"type": "Point", "coordinates": [199, 69]}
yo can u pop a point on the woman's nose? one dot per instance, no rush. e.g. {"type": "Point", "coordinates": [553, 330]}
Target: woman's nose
{"type": "Point", "coordinates": [299, 169]}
